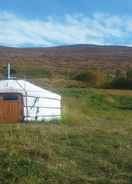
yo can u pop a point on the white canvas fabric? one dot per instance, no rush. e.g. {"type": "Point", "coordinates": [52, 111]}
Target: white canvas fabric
{"type": "Point", "coordinates": [39, 104]}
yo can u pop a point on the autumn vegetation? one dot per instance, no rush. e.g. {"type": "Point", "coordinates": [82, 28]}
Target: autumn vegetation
{"type": "Point", "coordinates": [92, 142]}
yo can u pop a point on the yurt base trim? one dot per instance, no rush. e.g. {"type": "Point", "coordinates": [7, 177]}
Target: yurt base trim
{"type": "Point", "coordinates": [42, 118]}
{"type": "Point", "coordinates": [44, 107]}
{"type": "Point", "coordinates": [41, 97]}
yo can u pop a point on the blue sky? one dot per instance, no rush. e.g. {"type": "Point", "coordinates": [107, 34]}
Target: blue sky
{"type": "Point", "coordinates": [61, 22]}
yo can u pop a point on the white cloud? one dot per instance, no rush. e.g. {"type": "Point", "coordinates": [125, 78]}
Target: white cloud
{"type": "Point", "coordinates": [96, 29]}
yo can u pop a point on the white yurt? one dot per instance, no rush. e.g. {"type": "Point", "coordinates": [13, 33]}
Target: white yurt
{"type": "Point", "coordinates": [21, 100]}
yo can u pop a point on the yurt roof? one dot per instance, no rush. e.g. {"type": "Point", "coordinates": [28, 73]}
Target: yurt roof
{"type": "Point", "coordinates": [23, 86]}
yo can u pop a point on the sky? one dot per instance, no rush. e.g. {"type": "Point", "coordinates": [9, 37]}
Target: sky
{"type": "Point", "coordinates": [44, 23]}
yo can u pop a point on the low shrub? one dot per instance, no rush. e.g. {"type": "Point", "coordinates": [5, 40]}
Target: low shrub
{"type": "Point", "coordinates": [121, 83]}
{"type": "Point", "coordinates": [93, 78]}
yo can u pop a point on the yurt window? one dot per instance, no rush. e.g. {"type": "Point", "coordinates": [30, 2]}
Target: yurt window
{"type": "Point", "coordinates": [11, 97]}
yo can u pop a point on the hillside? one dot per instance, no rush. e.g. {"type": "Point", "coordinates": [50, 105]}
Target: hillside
{"type": "Point", "coordinates": [92, 142]}
{"type": "Point", "coordinates": [69, 58]}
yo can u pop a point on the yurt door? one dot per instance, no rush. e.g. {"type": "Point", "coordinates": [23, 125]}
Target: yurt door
{"type": "Point", "coordinates": [11, 108]}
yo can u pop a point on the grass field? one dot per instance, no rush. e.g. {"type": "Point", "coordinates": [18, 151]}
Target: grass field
{"type": "Point", "coordinates": [92, 144]}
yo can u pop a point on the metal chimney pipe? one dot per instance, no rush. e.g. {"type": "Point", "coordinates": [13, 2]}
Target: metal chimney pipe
{"type": "Point", "coordinates": [9, 71]}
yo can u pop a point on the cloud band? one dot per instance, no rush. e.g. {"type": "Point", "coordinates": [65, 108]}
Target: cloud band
{"type": "Point", "coordinates": [96, 29]}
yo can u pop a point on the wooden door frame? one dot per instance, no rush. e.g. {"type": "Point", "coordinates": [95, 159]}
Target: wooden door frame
{"type": "Point", "coordinates": [21, 99]}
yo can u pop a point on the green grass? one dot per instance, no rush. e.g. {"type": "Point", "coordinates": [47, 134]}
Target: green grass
{"type": "Point", "coordinates": [91, 104]}
{"type": "Point", "coordinates": [91, 144]}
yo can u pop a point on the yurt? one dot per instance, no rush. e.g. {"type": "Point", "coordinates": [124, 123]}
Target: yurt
{"type": "Point", "coordinates": [21, 101]}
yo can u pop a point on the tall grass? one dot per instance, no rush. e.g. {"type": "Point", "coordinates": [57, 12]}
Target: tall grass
{"type": "Point", "coordinates": [91, 144]}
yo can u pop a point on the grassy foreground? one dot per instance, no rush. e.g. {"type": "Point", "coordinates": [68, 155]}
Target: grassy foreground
{"type": "Point", "coordinates": [92, 144]}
